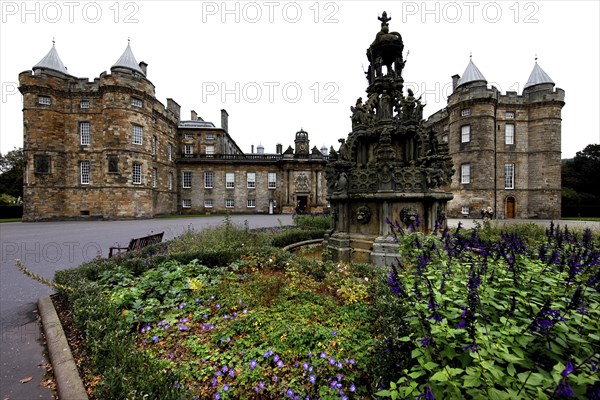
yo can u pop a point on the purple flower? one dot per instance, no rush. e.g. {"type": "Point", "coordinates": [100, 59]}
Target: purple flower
{"type": "Point", "coordinates": [252, 364]}
{"type": "Point", "coordinates": [305, 365]}
{"type": "Point", "coordinates": [225, 368]}
{"type": "Point", "coordinates": [564, 389]}
{"type": "Point", "coordinates": [331, 360]}
{"type": "Point", "coordinates": [352, 388]}
{"type": "Point", "coordinates": [334, 333]}
{"type": "Point", "coordinates": [226, 387]}
{"type": "Point", "coordinates": [312, 378]}
{"type": "Point", "coordinates": [290, 393]}
{"type": "Point", "coordinates": [261, 385]}
{"type": "Point", "coordinates": [425, 341]}
{"type": "Point", "coordinates": [280, 364]}
{"type": "Point", "coordinates": [155, 339]}
{"type": "Point", "coordinates": [183, 328]}
{"type": "Point", "coordinates": [276, 358]}
{"type": "Point", "coordinates": [275, 378]}
{"type": "Point", "coordinates": [568, 369]}
{"type": "Point", "coordinates": [232, 373]}
{"type": "Point", "coordinates": [323, 354]}
{"type": "Point", "coordinates": [217, 396]}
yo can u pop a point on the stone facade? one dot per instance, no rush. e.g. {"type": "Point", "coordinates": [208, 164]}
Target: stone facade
{"type": "Point", "coordinates": [108, 149]}
{"type": "Point", "coordinates": [510, 158]}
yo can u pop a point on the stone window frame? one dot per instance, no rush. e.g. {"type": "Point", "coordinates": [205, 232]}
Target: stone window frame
{"type": "Point", "coordinates": [509, 176]}
{"type": "Point", "coordinates": [251, 203]}
{"type": "Point", "coordinates": [112, 161]}
{"type": "Point", "coordinates": [208, 203]}
{"type": "Point", "coordinates": [188, 150]}
{"type": "Point", "coordinates": [465, 112]}
{"type": "Point", "coordinates": [186, 179]}
{"type": "Point", "coordinates": [85, 172]}
{"type": "Point", "coordinates": [186, 203]}
{"type": "Point", "coordinates": [465, 174]}
{"type": "Point", "coordinates": [44, 100]}
{"type": "Point", "coordinates": [229, 203]}
{"type": "Point", "coordinates": [38, 164]}
{"type": "Point", "coordinates": [229, 180]}
{"type": "Point", "coordinates": [445, 138]}
{"type": "Point", "coordinates": [170, 181]}
{"type": "Point", "coordinates": [251, 180]}
{"type": "Point", "coordinates": [137, 135]}
{"type": "Point", "coordinates": [465, 133]}
{"type": "Point", "coordinates": [85, 135]}
{"type": "Point", "coordinates": [154, 177]}
{"type": "Point", "coordinates": [209, 179]}
{"type": "Point", "coordinates": [154, 145]}
{"type": "Point", "coordinates": [84, 104]}
{"type": "Point", "coordinates": [210, 136]}
{"type": "Point", "coordinates": [136, 173]}
{"type": "Point", "coordinates": [272, 180]}
{"type": "Point", "coordinates": [170, 151]}
{"type": "Point", "coordinates": [464, 210]}
{"type": "Point", "coordinates": [209, 150]}
{"type": "Point", "coordinates": [188, 135]}
{"type": "Point", "coordinates": [509, 137]}
{"type": "Point", "coordinates": [509, 115]}
{"type": "Point", "coordinates": [137, 102]}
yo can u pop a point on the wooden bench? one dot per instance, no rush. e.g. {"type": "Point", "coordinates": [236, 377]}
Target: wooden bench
{"type": "Point", "coordinates": [135, 244]}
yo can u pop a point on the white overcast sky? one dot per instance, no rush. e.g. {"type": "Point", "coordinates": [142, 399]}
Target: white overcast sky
{"type": "Point", "coordinates": [278, 66]}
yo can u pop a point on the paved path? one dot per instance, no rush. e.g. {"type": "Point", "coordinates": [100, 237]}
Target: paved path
{"type": "Point", "coordinates": [46, 247]}
{"type": "Point", "coordinates": [50, 246]}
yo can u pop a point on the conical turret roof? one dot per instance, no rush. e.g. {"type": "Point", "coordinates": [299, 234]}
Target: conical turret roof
{"type": "Point", "coordinates": [52, 61]}
{"type": "Point", "coordinates": [471, 74]}
{"type": "Point", "coordinates": [127, 60]}
{"type": "Point", "coordinates": [537, 77]}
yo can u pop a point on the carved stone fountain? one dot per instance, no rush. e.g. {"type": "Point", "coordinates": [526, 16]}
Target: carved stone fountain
{"type": "Point", "coordinates": [389, 169]}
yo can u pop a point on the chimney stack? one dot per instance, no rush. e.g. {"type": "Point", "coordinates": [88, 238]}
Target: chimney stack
{"type": "Point", "coordinates": [225, 120]}
{"type": "Point", "coordinates": [252, 149]}
{"type": "Point", "coordinates": [455, 79]}
{"type": "Point", "coordinates": [194, 115]}
{"type": "Point", "coordinates": [144, 67]}
{"type": "Point", "coordinates": [278, 148]}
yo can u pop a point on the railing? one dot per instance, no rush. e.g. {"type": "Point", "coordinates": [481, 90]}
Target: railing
{"type": "Point", "coordinates": [249, 157]}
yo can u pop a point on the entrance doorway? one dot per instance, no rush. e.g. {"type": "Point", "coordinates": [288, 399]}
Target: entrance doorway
{"type": "Point", "coordinates": [510, 207]}
{"type": "Point", "coordinates": [302, 205]}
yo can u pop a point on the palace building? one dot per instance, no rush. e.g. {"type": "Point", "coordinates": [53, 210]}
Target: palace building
{"type": "Point", "coordinates": [506, 148]}
{"type": "Point", "coordinates": [108, 149]}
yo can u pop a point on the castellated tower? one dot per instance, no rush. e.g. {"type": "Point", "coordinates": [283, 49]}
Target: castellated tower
{"type": "Point", "coordinates": [103, 149]}
{"type": "Point", "coordinates": [505, 147]}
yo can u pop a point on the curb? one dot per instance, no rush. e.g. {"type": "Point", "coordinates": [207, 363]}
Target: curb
{"type": "Point", "coordinates": [68, 381]}
{"type": "Point", "coordinates": [300, 244]}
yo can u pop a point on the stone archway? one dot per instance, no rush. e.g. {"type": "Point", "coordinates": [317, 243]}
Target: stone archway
{"type": "Point", "coordinates": [511, 208]}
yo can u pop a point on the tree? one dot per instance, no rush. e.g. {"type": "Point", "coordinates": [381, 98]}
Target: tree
{"type": "Point", "coordinates": [12, 165]}
{"type": "Point", "coordinates": [581, 183]}
{"type": "Point", "coordinates": [582, 174]}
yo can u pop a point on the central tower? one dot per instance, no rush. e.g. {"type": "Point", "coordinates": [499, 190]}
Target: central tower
{"type": "Point", "coordinates": [389, 168]}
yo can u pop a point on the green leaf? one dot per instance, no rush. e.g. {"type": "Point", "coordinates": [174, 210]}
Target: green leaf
{"type": "Point", "coordinates": [439, 376]}
{"type": "Point", "coordinates": [430, 366]}
{"type": "Point", "coordinates": [511, 369]}
{"type": "Point", "coordinates": [383, 393]}
{"type": "Point", "coordinates": [472, 381]}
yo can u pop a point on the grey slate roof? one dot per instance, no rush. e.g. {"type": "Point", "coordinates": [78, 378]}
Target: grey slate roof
{"type": "Point", "coordinates": [537, 76]}
{"type": "Point", "coordinates": [127, 60]}
{"type": "Point", "coordinates": [471, 74]}
{"type": "Point", "coordinates": [52, 61]}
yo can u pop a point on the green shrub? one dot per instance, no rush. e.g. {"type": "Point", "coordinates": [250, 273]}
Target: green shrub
{"type": "Point", "coordinates": [286, 238]}
{"type": "Point", "coordinates": [312, 221]}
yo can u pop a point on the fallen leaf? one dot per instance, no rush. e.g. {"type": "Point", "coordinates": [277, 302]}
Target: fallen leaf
{"type": "Point", "coordinates": [25, 380]}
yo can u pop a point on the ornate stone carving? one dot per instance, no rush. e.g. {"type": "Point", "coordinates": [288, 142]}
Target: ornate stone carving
{"type": "Point", "coordinates": [409, 216]}
{"type": "Point", "coordinates": [302, 183]}
{"type": "Point", "coordinates": [363, 215]}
